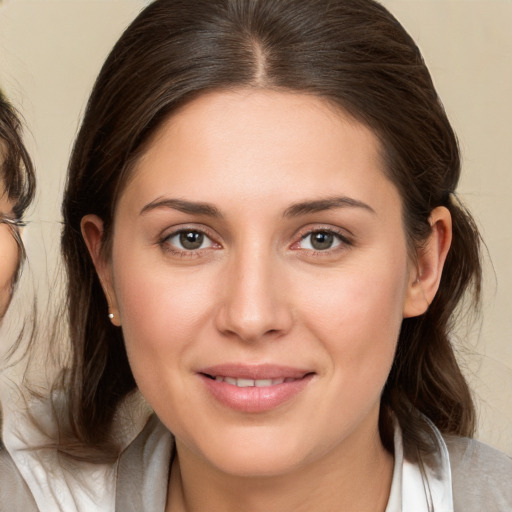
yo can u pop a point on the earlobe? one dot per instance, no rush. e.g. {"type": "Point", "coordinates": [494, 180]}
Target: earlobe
{"type": "Point", "coordinates": [424, 279]}
{"type": "Point", "coordinates": [92, 233]}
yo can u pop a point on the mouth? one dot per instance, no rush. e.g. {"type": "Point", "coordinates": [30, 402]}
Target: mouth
{"type": "Point", "coordinates": [254, 389]}
{"type": "Point", "coordinates": [249, 383]}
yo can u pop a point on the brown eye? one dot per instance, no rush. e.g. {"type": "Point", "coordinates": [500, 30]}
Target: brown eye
{"type": "Point", "coordinates": [321, 240]}
{"type": "Point", "coordinates": [188, 240]}
{"type": "Point", "coordinates": [191, 240]}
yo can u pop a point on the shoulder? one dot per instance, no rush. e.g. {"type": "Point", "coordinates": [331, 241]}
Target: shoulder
{"type": "Point", "coordinates": [14, 492]}
{"type": "Point", "coordinates": [481, 476]}
{"type": "Point", "coordinates": [143, 469]}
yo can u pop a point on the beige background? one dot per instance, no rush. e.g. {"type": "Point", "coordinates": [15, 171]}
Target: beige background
{"type": "Point", "coordinates": [51, 51]}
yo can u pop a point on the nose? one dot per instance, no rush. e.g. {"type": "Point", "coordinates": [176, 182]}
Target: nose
{"type": "Point", "coordinates": [254, 301]}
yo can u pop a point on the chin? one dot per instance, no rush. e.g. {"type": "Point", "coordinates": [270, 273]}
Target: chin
{"type": "Point", "coordinates": [4, 304]}
{"type": "Point", "coordinates": [261, 467]}
{"type": "Point", "coordinates": [255, 455]}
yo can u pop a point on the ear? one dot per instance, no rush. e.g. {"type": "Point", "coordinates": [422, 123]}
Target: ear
{"type": "Point", "coordinates": [424, 279]}
{"type": "Point", "coordinates": [92, 233]}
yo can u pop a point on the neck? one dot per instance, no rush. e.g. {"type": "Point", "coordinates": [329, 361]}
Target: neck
{"type": "Point", "coordinates": [355, 476]}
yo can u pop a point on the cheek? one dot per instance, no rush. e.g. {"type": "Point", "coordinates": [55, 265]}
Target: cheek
{"type": "Point", "coordinates": [359, 319]}
{"type": "Point", "coordinates": [161, 309]}
{"type": "Point", "coordinates": [163, 313]}
{"type": "Point", "coordinates": [9, 258]}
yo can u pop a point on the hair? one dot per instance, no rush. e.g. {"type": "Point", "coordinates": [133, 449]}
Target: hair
{"type": "Point", "coordinates": [18, 181]}
{"type": "Point", "coordinates": [16, 170]}
{"type": "Point", "coordinates": [352, 53]}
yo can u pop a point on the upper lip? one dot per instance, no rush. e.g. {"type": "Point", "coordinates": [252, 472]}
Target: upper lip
{"type": "Point", "coordinates": [254, 371]}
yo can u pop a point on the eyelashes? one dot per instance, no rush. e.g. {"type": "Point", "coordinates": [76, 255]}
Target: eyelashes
{"type": "Point", "coordinates": [189, 240]}
{"type": "Point", "coordinates": [194, 242]}
{"type": "Point", "coordinates": [321, 240]}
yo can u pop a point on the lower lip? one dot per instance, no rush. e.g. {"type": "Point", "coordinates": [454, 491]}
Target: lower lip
{"type": "Point", "coordinates": [255, 399]}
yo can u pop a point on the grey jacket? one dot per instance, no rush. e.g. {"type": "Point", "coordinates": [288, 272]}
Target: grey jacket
{"type": "Point", "coordinates": [14, 493]}
{"type": "Point", "coordinates": [481, 477]}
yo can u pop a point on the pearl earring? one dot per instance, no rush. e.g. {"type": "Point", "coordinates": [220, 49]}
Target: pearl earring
{"type": "Point", "coordinates": [111, 316]}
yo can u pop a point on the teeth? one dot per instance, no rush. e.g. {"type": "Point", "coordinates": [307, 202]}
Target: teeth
{"type": "Point", "coordinates": [248, 383]}
{"type": "Point", "coordinates": [244, 383]}
{"type": "Point", "coordinates": [263, 383]}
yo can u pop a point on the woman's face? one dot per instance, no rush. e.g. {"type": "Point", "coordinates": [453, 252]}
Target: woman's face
{"type": "Point", "coordinates": [260, 273]}
{"type": "Point", "coordinates": [9, 253]}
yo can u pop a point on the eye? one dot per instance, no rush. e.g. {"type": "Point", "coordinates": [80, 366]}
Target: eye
{"type": "Point", "coordinates": [321, 240]}
{"type": "Point", "coordinates": [16, 223]}
{"type": "Point", "coordinates": [189, 240]}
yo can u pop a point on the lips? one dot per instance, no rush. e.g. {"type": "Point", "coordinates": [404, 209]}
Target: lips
{"type": "Point", "coordinates": [248, 383]}
{"type": "Point", "coordinates": [255, 372]}
{"type": "Point", "coordinates": [254, 388]}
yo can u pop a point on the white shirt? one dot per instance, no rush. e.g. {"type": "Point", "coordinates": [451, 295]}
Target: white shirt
{"type": "Point", "coordinates": [138, 480]}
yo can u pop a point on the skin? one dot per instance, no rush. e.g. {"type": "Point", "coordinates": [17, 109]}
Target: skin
{"type": "Point", "coordinates": [257, 292]}
{"type": "Point", "coordinates": [9, 253]}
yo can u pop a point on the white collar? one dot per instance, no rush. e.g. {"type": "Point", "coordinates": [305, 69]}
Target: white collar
{"type": "Point", "coordinates": [90, 487]}
{"type": "Point", "coordinates": [412, 489]}
{"type": "Point", "coordinates": [421, 491]}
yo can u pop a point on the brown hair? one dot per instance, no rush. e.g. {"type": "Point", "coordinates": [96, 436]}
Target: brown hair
{"type": "Point", "coordinates": [18, 180]}
{"type": "Point", "coordinates": [350, 52]}
{"type": "Point", "coordinates": [16, 170]}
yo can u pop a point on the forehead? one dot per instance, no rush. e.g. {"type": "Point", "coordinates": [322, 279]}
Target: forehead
{"type": "Point", "coordinates": [259, 142]}
{"type": "Point", "coordinates": [3, 192]}
{"type": "Point", "coordinates": [5, 203]}
{"type": "Point", "coordinates": [264, 111]}
{"type": "Point", "coordinates": [3, 152]}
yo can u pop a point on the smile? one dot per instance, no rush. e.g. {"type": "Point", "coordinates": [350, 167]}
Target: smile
{"type": "Point", "coordinates": [254, 389]}
{"type": "Point", "coordinates": [258, 383]}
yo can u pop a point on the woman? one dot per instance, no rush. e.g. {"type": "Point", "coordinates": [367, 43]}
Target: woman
{"type": "Point", "coordinates": [261, 236]}
{"type": "Point", "coordinates": [16, 192]}
{"type": "Point", "coordinates": [17, 187]}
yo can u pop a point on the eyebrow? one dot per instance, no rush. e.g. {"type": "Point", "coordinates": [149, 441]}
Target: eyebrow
{"type": "Point", "coordinates": [181, 205]}
{"type": "Point", "coordinates": [328, 203]}
{"type": "Point", "coordinates": [295, 210]}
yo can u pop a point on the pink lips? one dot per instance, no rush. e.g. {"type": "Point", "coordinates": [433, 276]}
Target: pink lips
{"type": "Point", "coordinates": [254, 388]}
